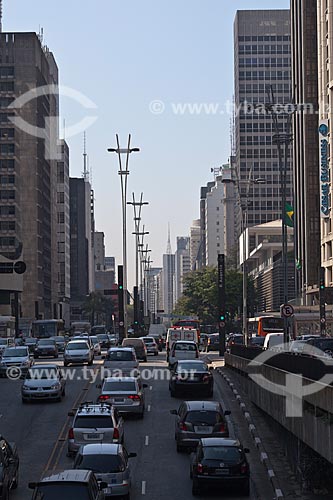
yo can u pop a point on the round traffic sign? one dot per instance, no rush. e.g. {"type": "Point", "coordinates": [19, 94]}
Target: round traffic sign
{"type": "Point", "coordinates": [121, 323]}
{"type": "Point", "coordinates": [20, 267]}
{"type": "Point", "coordinates": [323, 320]}
{"type": "Point", "coordinates": [287, 310]}
{"type": "Point", "coordinates": [222, 324]}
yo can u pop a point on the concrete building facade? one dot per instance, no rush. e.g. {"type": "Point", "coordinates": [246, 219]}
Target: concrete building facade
{"type": "Point", "coordinates": [28, 178]}
{"type": "Point", "coordinates": [306, 148]}
{"type": "Point", "coordinates": [261, 58]}
{"type": "Point", "coordinates": [168, 283]}
{"type": "Point", "coordinates": [195, 236]}
{"type": "Point", "coordinates": [182, 264]}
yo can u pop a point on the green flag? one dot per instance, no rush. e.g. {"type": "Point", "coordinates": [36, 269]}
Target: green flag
{"type": "Point", "coordinates": [289, 215]}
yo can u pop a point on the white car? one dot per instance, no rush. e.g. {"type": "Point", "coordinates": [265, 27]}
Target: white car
{"type": "Point", "coordinates": [78, 352]}
{"type": "Point", "coordinates": [183, 349]}
{"type": "Point", "coordinates": [96, 344]}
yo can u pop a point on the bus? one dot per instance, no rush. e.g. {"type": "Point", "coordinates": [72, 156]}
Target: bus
{"type": "Point", "coordinates": [261, 325]}
{"type": "Point", "coordinates": [95, 330]}
{"type": "Point", "coordinates": [80, 327]}
{"type": "Point", "coordinates": [45, 328]}
{"type": "Point", "coordinates": [7, 326]}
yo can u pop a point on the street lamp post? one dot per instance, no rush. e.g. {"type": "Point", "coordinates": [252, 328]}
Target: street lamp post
{"type": "Point", "coordinates": [124, 172]}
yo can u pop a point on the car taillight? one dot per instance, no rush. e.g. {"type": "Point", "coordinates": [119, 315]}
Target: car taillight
{"type": "Point", "coordinates": [199, 468]}
{"type": "Point", "coordinates": [244, 469]}
{"type": "Point", "coordinates": [205, 378]}
{"type": "Point", "coordinates": [222, 428]}
{"type": "Point", "coordinates": [103, 397]}
{"type": "Point", "coordinates": [116, 433]}
{"type": "Point", "coordinates": [135, 397]}
{"type": "Point", "coordinates": [182, 426]}
{"type": "Point", "coordinates": [70, 433]}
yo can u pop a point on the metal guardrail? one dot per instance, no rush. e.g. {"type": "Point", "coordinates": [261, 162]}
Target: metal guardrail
{"type": "Point", "coordinates": [310, 367]}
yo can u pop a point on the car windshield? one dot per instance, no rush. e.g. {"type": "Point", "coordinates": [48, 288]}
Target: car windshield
{"type": "Point", "coordinates": [93, 422]}
{"type": "Point", "coordinates": [204, 417]}
{"type": "Point", "coordinates": [119, 386]}
{"type": "Point", "coordinates": [3, 341]}
{"type": "Point", "coordinates": [13, 352]}
{"type": "Point", "coordinates": [99, 463]}
{"type": "Point", "coordinates": [237, 339]}
{"type": "Point", "coordinates": [77, 346]}
{"type": "Point", "coordinates": [185, 347]}
{"type": "Point", "coordinates": [120, 356]}
{"type": "Point", "coordinates": [38, 373]}
{"type": "Point", "coordinates": [46, 342]}
{"type": "Point", "coordinates": [30, 341]}
{"type": "Point", "coordinates": [65, 491]}
{"type": "Point", "coordinates": [58, 339]}
{"type": "Point", "coordinates": [225, 453]}
{"type": "Point", "coordinates": [257, 340]}
{"type": "Point", "coordinates": [94, 340]}
{"type": "Point", "coordinates": [148, 341]}
{"type": "Point", "coordinates": [196, 367]}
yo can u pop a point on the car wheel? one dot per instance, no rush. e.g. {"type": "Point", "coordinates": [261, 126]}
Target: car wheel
{"type": "Point", "coordinates": [6, 494]}
{"type": "Point", "coordinates": [65, 363]}
{"type": "Point", "coordinates": [195, 488]}
{"type": "Point", "coordinates": [191, 472]}
{"type": "Point", "coordinates": [246, 489]}
{"type": "Point", "coordinates": [141, 415]}
{"type": "Point", "coordinates": [56, 356]}
{"type": "Point", "coordinates": [24, 401]}
{"type": "Point", "coordinates": [145, 359]}
{"type": "Point", "coordinates": [172, 393]}
{"type": "Point", "coordinates": [126, 497]}
{"type": "Point", "coordinates": [210, 393]}
{"type": "Point", "coordinates": [179, 448]}
{"type": "Point", "coordinates": [90, 362]}
{"type": "Point", "coordinates": [63, 392]}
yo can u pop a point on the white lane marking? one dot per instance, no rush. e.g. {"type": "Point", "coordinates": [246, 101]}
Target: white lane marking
{"type": "Point", "coordinates": [143, 488]}
{"type": "Point", "coordinates": [271, 473]}
{"type": "Point", "coordinates": [150, 387]}
{"type": "Point", "coordinates": [147, 441]}
{"type": "Point", "coordinates": [148, 408]}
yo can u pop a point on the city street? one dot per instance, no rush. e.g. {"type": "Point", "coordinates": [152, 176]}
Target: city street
{"type": "Point", "coordinates": [158, 471]}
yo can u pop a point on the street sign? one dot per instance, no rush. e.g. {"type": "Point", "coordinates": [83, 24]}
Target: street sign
{"type": "Point", "coordinates": [287, 310]}
{"type": "Point", "coordinates": [222, 324]}
{"type": "Point", "coordinates": [121, 323]}
{"type": "Point", "coordinates": [20, 267]}
{"type": "Point", "coordinates": [323, 320]}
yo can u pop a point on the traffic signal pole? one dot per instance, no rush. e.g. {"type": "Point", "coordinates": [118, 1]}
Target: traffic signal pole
{"type": "Point", "coordinates": [121, 314]}
{"type": "Point", "coordinates": [221, 302]}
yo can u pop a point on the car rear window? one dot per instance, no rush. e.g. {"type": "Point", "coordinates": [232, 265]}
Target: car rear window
{"type": "Point", "coordinates": [119, 386]}
{"type": "Point", "coordinates": [184, 366]}
{"type": "Point", "coordinates": [15, 352]}
{"type": "Point", "coordinates": [53, 491]}
{"type": "Point", "coordinates": [100, 463]}
{"type": "Point", "coordinates": [93, 421]}
{"type": "Point", "coordinates": [77, 345]}
{"type": "Point", "coordinates": [204, 417]}
{"type": "Point", "coordinates": [185, 347]}
{"type": "Point", "coordinates": [225, 453]}
{"type": "Point", "coordinates": [120, 356]}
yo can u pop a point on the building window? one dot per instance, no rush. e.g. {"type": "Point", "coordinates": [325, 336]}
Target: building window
{"type": "Point", "coordinates": [7, 149]}
{"type": "Point", "coordinates": [7, 210]}
{"type": "Point", "coordinates": [7, 72]}
{"type": "Point", "coordinates": [61, 197]}
{"type": "Point", "coordinates": [61, 218]}
{"type": "Point", "coordinates": [7, 225]}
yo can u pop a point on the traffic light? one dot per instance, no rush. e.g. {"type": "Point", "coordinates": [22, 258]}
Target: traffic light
{"type": "Point", "coordinates": [322, 278]}
{"type": "Point", "coordinates": [222, 317]}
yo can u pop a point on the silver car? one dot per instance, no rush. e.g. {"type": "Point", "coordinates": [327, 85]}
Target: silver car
{"type": "Point", "coordinates": [124, 393]}
{"type": "Point", "coordinates": [78, 352]}
{"type": "Point", "coordinates": [110, 464]}
{"type": "Point", "coordinates": [151, 345]}
{"type": "Point", "coordinates": [121, 361]}
{"type": "Point", "coordinates": [18, 357]}
{"type": "Point", "coordinates": [94, 423]}
{"type": "Point", "coordinates": [43, 382]}
{"type": "Point", "coordinates": [96, 345]}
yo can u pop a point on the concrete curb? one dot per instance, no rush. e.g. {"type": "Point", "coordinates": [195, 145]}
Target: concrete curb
{"type": "Point", "coordinates": [257, 441]}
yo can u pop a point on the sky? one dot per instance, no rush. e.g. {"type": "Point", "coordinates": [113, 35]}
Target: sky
{"type": "Point", "coordinates": [138, 62]}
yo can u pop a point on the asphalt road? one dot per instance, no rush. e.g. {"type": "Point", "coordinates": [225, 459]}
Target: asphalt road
{"type": "Point", "coordinates": [158, 472]}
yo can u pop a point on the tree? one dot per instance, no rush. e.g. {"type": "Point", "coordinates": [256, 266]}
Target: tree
{"type": "Point", "coordinates": [201, 295]}
{"type": "Point", "coordinates": [98, 307]}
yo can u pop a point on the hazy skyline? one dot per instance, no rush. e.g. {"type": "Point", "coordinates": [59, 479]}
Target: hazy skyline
{"type": "Point", "coordinates": [125, 56]}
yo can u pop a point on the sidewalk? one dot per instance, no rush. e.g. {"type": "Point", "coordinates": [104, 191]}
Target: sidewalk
{"type": "Point", "coordinates": [269, 440]}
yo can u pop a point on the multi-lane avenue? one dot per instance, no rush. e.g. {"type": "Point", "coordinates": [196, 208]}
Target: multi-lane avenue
{"type": "Point", "coordinates": [158, 471]}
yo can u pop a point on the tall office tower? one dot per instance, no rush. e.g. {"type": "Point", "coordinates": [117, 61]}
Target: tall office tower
{"type": "Point", "coordinates": [261, 59]}
{"type": "Point", "coordinates": [152, 290]}
{"type": "Point", "coordinates": [202, 249]}
{"type": "Point", "coordinates": [325, 89]}
{"type": "Point", "coordinates": [195, 236]}
{"type": "Point", "coordinates": [215, 220]}
{"type": "Point", "coordinates": [63, 234]}
{"type": "Point", "coordinates": [168, 279]}
{"type": "Point", "coordinates": [28, 178]}
{"type": "Point", "coordinates": [104, 276]}
{"type": "Point", "coordinates": [229, 207]}
{"type": "Point", "coordinates": [81, 234]}
{"type": "Point", "coordinates": [99, 251]}
{"type": "Point", "coordinates": [306, 148]}
{"type": "Point", "coordinates": [182, 264]}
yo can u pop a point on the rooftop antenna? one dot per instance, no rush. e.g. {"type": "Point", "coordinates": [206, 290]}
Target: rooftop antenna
{"type": "Point", "coordinates": [0, 16]}
{"type": "Point", "coordinates": [169, 250]}
{"type": "Point", "coordinates": [85, 166]}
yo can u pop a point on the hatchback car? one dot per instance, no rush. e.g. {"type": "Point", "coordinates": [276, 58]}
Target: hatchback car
{"type": "Point", "coordinates": [197, 419]}
{"type": "Point", "coordinates": [139, 346]}
{"type": "Point", "coordinates": [9, 467]}
{"type": "Point", "coordinates": [191, 375]}
{"type": "Point", "coordinates": [220, 462]}
{"type": "Point", "coordinates": [110, 464]}
{"type": "Point", "coordinates": [15, 356]}
{"type": "Point", "coordinates": [46, 347]}
{"type": "Point", "coordinates": [67, 485]}
{"type": "Point", "coordinates": [234, 338]}
{"type": "Point", "coordinates": [43, 382]}
{"type": "Point", "coordinates": [121, 361]}
{"type": "Point", "coordinates": [124, 393]}
{"type": "Point", "coordinates": [94, 423]}
{"type": "Point", "coordinates": [78, 352]}
{"type": "Point", "coordinates": [183, 349]}
{"type": "Point", "coordinates": [151, 345]}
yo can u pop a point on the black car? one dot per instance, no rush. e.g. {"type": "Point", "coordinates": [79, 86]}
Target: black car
{"type": "Point", "coordinates": [191, 375]}
{"type": "Point", "coordinates": [104, 340]}
{"type": "Point", "coordinates": [31, 343]}
{"type": "Point", "coordinates": [46, 347]}
{"type": "Point", "coordinates": [60, 342]}
{"type": "Point", "coordinates": [256, 341]}
{"type": "Point", "coordinates": [9, 468]}
{"type": "Point", "coordinates": [316, 344]}
{"type": "Point", "coordinates": [213, 342]}
{"type": "Point", "coordinates": [220, 462]}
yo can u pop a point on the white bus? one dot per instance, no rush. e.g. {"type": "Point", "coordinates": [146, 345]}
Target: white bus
{"type": "Point", "coordinates": [45, 328]}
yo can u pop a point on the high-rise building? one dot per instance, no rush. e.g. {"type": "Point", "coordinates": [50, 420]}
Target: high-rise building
{"type": "Point", "coordinates": [195, 236]}
{"type": "Point", "coordinates": [261, 60]}
{"type": "Point", "coordinates": [325, 136]}
{"type": "Point", "coordinates": [63, 233]}
{"type": "Point", "coordinates": [306, 147]}
{"type": "Point", "coordinates": [214, 226]}
{"type": "Point", "coordinates": [28, 178]}
{"type": "Point", "coordinates": [168, 279]}
{"type": "Point", "coordinates": [202, 248]}
{"type": "Point", "coordinates": [99, 251]}
{"type": "Point", "coordinates": [81, 244]}
{"type": "Point", "coordinates": [182, 264]}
